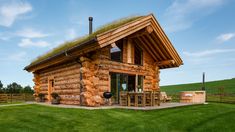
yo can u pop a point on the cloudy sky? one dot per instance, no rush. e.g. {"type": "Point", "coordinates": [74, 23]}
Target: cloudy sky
{"type": "Point", "coordinates": [202, 31]}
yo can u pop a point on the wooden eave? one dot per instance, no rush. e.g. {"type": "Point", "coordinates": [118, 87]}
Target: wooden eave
{"type": "Point", "coordinates": [156, 43]}
{"type": "Point", "coordinates": [70, 54]}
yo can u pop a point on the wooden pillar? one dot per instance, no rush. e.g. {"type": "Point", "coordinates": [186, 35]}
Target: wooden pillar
{"type": "Point", "coordinates": [129, 51]}
{"type": "Point", "coordinates": [157, 78]}
{"type": "Point", "coordinates": [136, 83]}
{"type": "Point", "coordinates": [124, 54]}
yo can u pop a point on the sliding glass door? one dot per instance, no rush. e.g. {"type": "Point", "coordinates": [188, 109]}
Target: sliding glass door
{"type": "Point", "coordinates": [124, 82]}
{"type": "Point", "coordinates": [118, 84]}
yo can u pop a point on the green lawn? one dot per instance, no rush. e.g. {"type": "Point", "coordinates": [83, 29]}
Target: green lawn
{"type": "Point", "coordinates": [210, 117]}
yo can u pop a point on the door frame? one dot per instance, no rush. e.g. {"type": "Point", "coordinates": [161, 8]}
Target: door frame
{"type": "Point", "coordinates": [119, 85]}
{"type": "Point", "coordinates": [50, 87]}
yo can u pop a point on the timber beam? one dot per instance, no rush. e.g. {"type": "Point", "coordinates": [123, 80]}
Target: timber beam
{"type": "Point", "coordinates": [146, 31]}
{"type": "Point", "coordinates": [165, 62]}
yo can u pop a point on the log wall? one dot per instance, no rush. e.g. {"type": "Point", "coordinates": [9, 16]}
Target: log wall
{"type": "Point", "coordinates": [94, 72]}
{"type": "Point", "coordinates": [66, 82]}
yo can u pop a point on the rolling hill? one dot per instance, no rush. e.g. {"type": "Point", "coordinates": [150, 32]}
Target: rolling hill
{"type": "Point", "coordinates": [211, 87]}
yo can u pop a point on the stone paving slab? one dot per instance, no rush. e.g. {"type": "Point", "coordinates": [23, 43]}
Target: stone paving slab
{"type": "Point", "coordinates": [162, 106]}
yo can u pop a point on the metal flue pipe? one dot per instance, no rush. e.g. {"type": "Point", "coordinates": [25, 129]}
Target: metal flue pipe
{"type": "Point", "coordinates": [90, 24]}
{"type": "Point", "coordinates": [203, 81]}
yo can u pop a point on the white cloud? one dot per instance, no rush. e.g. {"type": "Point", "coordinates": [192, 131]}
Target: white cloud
{"type": "Point", "coordinates": [225, 37]}
{"type": "Point", "coordinates": [20, 56]}
{"type": "Point", "coordinates": [31, 33]}
{"type": "Point", "coordinates": [28, 43]}
{"type": "Point", "coordinates": [9, 12]}
{"type": "Point", "coordinates": [207, 52]}
{"type": "Point", "coordinates": [17, 56]}
{"type": "Point", "coordinates": [181, 14]}
{"type": "Point", "coordinates": [71, 34]}
{"type": "Point", "coordinates": [4, 36]}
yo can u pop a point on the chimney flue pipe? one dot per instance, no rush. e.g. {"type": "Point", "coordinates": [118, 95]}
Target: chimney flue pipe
{"type": "Point", "coordinates": [90, 25]}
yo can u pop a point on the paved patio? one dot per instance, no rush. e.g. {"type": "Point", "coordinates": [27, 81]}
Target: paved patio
{"type": "Point", "coordinates": [162, 106]}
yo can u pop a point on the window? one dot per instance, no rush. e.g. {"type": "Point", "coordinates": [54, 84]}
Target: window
{"type": "Point", "coordinates": [116, 51]}
{"type": "Point", "coordinates": [140, 83]}
{"type": "Point", "coordinates": [52, 83]}
{"type": "Point", "coordinates": [138, 60]}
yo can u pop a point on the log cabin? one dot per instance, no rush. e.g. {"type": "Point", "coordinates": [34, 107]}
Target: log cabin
{"type": "Point", "coordinates": [125, 55]}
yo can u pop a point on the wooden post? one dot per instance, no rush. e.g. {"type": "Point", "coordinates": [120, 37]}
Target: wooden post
{"type": "Point", "coordinates": [11, 95]}
{"type": "Point", "coordinates": [136, 83]}
{"type": "Point", "coordinates": [128, 51]}
{"type": "Point", "coordinates": [25, 97]}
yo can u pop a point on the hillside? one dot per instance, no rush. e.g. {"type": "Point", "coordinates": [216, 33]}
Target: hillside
{"type": "Point", "coordinates": [211, 87]}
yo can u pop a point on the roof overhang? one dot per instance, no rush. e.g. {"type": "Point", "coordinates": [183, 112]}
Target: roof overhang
{"type": "Point", "coordinates": [69, 54]}
{"type": "Point", "coordinates": [144, 31]}
{"type": "Point", "coordinates": [147, 33]}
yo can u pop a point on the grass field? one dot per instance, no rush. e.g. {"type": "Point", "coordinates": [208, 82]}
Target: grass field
{"type": "Point", "coordinates": [210, 117]}
{"type": "Point", "coordinates": [212, 90]}
{"type": "Point", "coordinates": [211, 87]}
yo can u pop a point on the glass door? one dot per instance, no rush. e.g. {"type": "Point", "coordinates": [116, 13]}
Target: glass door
{"type": "Point", "coordinates": [119, 83]}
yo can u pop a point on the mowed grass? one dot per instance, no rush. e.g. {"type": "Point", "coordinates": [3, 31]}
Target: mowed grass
{"type": "Point", "coordinates": [210, 117]}
{"type": "Point", "coordinates": [211, 87]}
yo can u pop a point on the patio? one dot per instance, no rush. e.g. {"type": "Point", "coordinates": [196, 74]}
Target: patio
{"type": "Point", "coordinates": [162, 106]}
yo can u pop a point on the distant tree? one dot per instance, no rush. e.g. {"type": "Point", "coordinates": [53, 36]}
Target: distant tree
{"type": "Point", "coordinates": [27, 89]}
{"type": "Point", "coordinates": [14, 88]}
{"type": "Point", "coordinates": [1, 87]}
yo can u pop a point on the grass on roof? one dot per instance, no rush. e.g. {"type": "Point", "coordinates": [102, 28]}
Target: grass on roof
{"type": "Point", "coordinates": [65, 46]}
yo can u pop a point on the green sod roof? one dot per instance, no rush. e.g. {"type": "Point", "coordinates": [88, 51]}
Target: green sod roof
{"type": "Point", "coordinates": [67, 45]}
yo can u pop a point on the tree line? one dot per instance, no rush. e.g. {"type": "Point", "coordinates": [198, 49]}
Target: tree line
{"type": "Point", "coordinates": [15, 88]}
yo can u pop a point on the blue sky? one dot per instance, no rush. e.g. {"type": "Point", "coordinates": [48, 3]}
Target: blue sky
{"type": "Point", "coordinates": [202, 31]}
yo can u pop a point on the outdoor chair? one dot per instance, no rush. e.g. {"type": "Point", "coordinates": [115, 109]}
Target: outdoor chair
{"type": "Point", "coordinates": [156, 98]}
{"type": "Point", "coordinates": [123, 98]}
{"type": "Point", "coordinates": [164, 98]}
{"type": "Point", "coordinates": [131, 99]}
{"type": "Point", "coordinates": [140, 98]}
{"type": "Point", "coordinates": [148, 98]}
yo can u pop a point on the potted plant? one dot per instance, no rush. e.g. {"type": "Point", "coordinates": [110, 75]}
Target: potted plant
{"type": "Point", "coordinates": [36, 97]}
{"type": "Point", "coordinates": [41, 97]}
{"type": "Point", "coordinates": [55, 98]}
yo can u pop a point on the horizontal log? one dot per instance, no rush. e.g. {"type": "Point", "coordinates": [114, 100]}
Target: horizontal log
{"type": "Point", "coordinates": [67, 81]}
{"type": "Point", "coordinates": [62, 67]}
{"type": "Point", "coordinates": [61, 74]}
{"type": "Point", "coordinates": [166, 62]}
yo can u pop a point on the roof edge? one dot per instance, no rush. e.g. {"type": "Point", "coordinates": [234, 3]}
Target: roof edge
{"type": "Point", "coordinates": [93, 40]}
